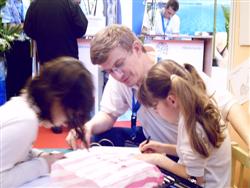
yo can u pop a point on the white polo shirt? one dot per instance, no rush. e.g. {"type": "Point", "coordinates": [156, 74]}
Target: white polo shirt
{"type": "Point", "coordinates": [117, 99]}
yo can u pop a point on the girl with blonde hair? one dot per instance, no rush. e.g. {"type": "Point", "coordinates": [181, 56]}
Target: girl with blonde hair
{"type": "Point", "coordinates": [178, 94]}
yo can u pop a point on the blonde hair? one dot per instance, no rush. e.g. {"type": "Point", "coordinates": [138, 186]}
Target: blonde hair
{"type": "Point", "coordinates": [109, 38]}
{"type": "Point", "coordinates": [195, 104]}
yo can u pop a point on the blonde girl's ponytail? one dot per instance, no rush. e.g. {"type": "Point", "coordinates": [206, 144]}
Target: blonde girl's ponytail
{"type": "Point", "coordinates": [197, 106]}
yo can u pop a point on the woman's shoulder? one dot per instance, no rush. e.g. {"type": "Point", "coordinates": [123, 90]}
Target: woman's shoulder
{"type": "Point", "coordinates": [17, 109]}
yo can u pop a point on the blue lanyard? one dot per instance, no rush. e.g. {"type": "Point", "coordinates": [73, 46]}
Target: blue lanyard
{"type": "Point", "coordinates": [164, 27]}
{"type": "Point", "coordinates": [135, 107]}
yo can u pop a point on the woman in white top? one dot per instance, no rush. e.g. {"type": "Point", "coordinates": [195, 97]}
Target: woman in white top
{"type": "Point", "coordinates": [61, 95]}
{"type": "Point", "coordinates": [179, 95]}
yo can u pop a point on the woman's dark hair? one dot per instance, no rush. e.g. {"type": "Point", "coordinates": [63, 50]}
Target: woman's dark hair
{"type": "Point", "coordinates": [174, 4]}
{"type": "Point", "coordinates": [67, 81]}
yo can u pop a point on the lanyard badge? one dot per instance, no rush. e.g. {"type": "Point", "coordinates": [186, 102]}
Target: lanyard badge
{"type": "Point", "coordinates": [135, 107]}
{"type": "Point", "coordinates": [164, 26]}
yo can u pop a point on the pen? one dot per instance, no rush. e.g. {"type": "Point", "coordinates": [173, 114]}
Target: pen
{"type": "Point", "coordinates": [148, 139]}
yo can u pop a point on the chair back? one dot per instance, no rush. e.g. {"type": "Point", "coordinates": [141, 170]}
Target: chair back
{"type": "Point", "coordinates": [238, 154]}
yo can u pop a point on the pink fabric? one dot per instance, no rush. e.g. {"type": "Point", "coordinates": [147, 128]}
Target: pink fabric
{"type": "Point", "coordinates": [104, 168]}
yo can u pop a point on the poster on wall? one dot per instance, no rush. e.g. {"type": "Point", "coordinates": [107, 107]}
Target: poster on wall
{"type": "Point", "coordinates": [94, 11]}
{"type": "Point", "coordinates": [191, 51]}
{"type": "Point", "coordinates": [95, 23]}
{"type": "Point", "coordinates": [239, 81]}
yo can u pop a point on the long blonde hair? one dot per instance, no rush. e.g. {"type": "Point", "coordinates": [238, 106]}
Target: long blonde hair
{"type": "Point", "coordinates": [195, 104]}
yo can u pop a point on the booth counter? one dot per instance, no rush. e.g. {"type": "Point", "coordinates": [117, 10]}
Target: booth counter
{"type": "Point", "coordinates": [196, 50]}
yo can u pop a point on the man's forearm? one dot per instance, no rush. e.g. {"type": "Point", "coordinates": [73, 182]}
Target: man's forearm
{"type": "Point", "coordinates": [101, 122]}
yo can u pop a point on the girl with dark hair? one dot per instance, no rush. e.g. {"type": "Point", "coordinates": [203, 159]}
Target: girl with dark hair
{"type": "Point", "coordinates": [179, 95]}
{"type": "Point", "coordinates": [62, 95]}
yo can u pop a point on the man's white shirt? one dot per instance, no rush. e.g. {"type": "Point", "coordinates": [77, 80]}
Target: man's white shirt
{"type": "Point", "coordinates": [161, 26]}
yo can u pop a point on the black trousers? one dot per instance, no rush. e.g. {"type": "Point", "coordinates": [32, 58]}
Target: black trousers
{"type": "Point", "coordinates": [19, 67]}
{"type": "Point", "coordinates": [119, 136]}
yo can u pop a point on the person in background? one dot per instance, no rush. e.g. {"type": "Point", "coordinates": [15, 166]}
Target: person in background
{"type": "Point", "coordinates": [120, 53]}
{"type": "Point", "coordinates": [165, 21]}
{"type": "Point", "coordinates": [55, 26]}
{"type": "Point", "coordinates": [179, 96]}
{"type": "Point", "coordinates": [68, 103]}
{"type": "Point", "coordinates": [12, 13]}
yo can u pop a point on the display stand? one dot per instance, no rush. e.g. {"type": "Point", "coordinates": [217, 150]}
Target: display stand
{"type": "Point", "coordinates": [196, 50]}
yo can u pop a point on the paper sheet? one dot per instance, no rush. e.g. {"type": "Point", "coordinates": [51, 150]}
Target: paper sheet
{"type": "Point", "coordinates": [46, 181]}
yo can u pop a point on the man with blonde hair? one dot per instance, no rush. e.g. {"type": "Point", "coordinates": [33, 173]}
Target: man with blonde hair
{"type": "Point", "coordinates": [120, 53]}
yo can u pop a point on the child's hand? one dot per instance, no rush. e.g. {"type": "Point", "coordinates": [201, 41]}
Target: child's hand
{"type": "Point", "coordinates": [152, 158]}
{"type": "Point", "coordinates": [152, 147]}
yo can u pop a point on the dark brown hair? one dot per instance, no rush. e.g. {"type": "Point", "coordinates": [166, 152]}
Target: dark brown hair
{"type": "Point", "coordinates": [174, 4]}
{"type": "Point", "coordinates": [195, 105]}
{"type": "Point", "coordinates": [66, 80]}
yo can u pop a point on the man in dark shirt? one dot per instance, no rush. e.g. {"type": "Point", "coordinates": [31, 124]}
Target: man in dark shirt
{"type": "Point", "coordinates": [55, 25]}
